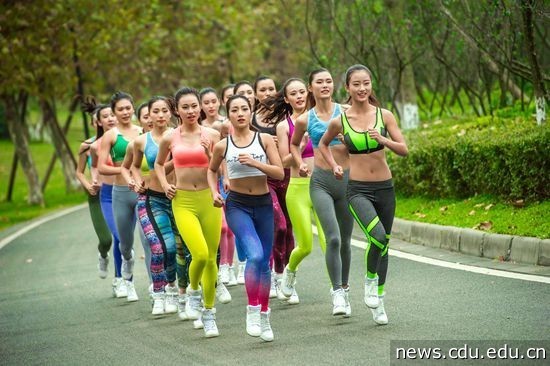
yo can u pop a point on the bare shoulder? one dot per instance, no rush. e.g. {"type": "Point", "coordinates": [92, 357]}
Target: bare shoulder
{"type": "Point", "coordinates": [212, 133]}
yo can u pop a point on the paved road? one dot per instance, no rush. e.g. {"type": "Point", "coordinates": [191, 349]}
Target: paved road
{"type": "Point", "coordinates": [55, 310]}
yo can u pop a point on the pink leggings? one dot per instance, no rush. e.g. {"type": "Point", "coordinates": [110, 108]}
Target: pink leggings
{"type": "Point", "coordinates": [227, 243]}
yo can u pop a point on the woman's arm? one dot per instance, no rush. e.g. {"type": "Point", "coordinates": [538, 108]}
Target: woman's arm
{"type": "Point", "coordinates": [334, 128]}
{"type": "Point", "coordinates": [283, 145]}
{"type": "Point", "coordinates": [396, 142]}
{"type": "Point", "coordinates": [164, 150]}
{"type": "Point", "coordinates": [125, 167]}
{"type": "Point", "coordinates": [275, 168]}
{"type": "Point", "coordinates": [300, 128]}
{"type": "Point", "coordinates": [212, 172]}
{"type": "Point", "coordinates": [135, 166]}
{"type": "Point", "coordinates": [92, 188]}
{"type": "Point", "coordinates": [103, 155]}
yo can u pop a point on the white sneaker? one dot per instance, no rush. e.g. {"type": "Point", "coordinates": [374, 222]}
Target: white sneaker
{"type": "Point", "coordinates": [273, 288]}
{"type": "Point", "coordinates": [240, 276]}
{"type": "Point", "coordinates": [294, 299]}
{"type": "Point", "coordinates": [158, 303]}
{"type": "Point", "coordinates": [127, 268]}
{"type": "Point", "coordinates": [182, 299]}
{"type": "Point", "coordinates": [348, 304]}
{"type": "Point", "coordinates": [265, 325]}
{"type": "Point", "coordinates": [119, 288]}
{"type": "Point", "coordinates": [379, 314]}
{"type": "Point", "coordinates": [232, 277]}
{"type": "Point", "coordinates": [132, 294]}
{"type": "Point", "coordinates": [102, 266]}
{"type": "Point", "coordinates": [288, 282]}
{"type": "Point", "coordinates": [338, 302]}
{"type": "Point", "coordinates": [170, 299]}
{"type": "Point", "coordinates": [198, 324]}
{"type": "Point", "coordinates": [371, 292]}
{"type": "Point", "coordinates": [280, 294]}
{"type": "Point", "coordinates": [222, 294]}
{"type": "Point", "coordinates": [193, 306]}
{"type": "Point", "coordinates": [253, 324]}
{"type": "Point", "coordinates": [209, 323]}
{"type": "Point", "coordinates": [223, 273]}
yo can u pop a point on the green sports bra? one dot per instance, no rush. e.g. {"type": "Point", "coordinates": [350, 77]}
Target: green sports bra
{"type": "Point", "coordinates": [118, 150]}
{"type": "Point", "coordinates": [360, 142]}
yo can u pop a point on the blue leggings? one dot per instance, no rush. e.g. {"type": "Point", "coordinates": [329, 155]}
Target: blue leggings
{"type": "Point", "coordinates": [251, 220]}
{"type": "Point", "coordinates": [106, 201]}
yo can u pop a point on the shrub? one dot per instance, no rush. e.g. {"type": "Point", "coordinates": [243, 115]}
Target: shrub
{"type": "Point", "coordinates": [507, 158]}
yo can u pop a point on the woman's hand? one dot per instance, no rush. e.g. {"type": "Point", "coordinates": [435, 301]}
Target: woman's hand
{"type": "Point", "coordinates": [374, 134]}
{"type": "Point", "coordinates": [304, 170]}
{"type": "Point", "coordinates": [246, 159]}
{"type": "Point", "coordinates": [94, 188]}
{"type": "Point", "coordinates": [205, 143]}
{"type": "Point", "coordinates": [218, 200]}
{"type": "Point", "coordinates": [170, 191]}
{"type": "Point", "coordinates": [338, 172]}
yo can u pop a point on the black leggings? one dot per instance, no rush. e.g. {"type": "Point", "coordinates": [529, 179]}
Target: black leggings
{"type": "Point", "coordinates": [372, 204]}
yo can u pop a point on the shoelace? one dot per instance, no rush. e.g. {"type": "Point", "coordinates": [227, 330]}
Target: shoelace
{"type": "Point", "coordinates": [195, 302]}
{"type": "Point", "coordinates": [209, 323]}
{"type": "Point", "coordinates": [291, 277]}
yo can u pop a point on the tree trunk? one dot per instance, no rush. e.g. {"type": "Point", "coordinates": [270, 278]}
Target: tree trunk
{"type": "Point", "coordinates": [406, 101]}
{"type": "Point", "coordinates": [21, 145]}
{"type": "Point", "coordinates": [60, 143]}
{"type": "Point", "coordinates": [536, 76]}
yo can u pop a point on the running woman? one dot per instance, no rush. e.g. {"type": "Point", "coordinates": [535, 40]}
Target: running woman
{"type": "Point", "coordinates": [245, 89]}
{"type": "Point", "coordinates": [108, 121]}
{"type": "Point", "coordinates": [367, 129]}
{"type": "Point", "coordinates": [210, 106]}
{"type": "Point", "coordinates": [287, 106]}
{"type": "Point", "coordinates": [250, 157]}
{"type": "Point", "coordinates": [114, 144]}
{"type": "Point", "coordinates": [328, 194]}
{"type": "Point", "coordinates": [198, 221]}
{"type": "Point", "coordinates": [264, 121]}
{"type": "Point", "coordinates": [92, 187]}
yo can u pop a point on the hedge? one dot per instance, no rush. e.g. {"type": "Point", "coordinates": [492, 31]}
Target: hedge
{"type": "Point", "coordinates": [509, 159]}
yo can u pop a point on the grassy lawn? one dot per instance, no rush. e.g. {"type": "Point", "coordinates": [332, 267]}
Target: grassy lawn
{"type": "Point", "coordinates": [479, 212]}
{"type": "Point", "coordinates": [55, 195]}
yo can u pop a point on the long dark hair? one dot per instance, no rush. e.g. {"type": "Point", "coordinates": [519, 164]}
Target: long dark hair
{"type": "Point", "coordinates": [275, 107]}
{"type": "Point", "coordinates": [93, 108]}
{"type": "Point", "coordinates": [358, 67]}
{"type": "Point", "coordinates": [202, 93]}
{"type": "Point", "coordinates": [310, 98]}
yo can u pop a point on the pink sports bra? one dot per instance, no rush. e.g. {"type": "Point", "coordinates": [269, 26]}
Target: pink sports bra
{"type": "Point", "coordinates": [308, 151]}
{"type": "Point", "coordinates": [187, 156]}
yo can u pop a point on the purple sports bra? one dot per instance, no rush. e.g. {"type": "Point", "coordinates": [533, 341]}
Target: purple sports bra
{"type": "Point", "coordinates": [308, 151]}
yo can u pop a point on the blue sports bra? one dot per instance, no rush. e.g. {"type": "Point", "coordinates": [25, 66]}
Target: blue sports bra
{"type": "Point", "coordinates": [316, 127]}
{"type": "Point", "coordinates": [150, 151]}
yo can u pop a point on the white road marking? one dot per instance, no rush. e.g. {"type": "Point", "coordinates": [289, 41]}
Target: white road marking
{"type": "Point", "coordinates": [452, 265]}
{"type": "Point", "coordinates": [43, 220]}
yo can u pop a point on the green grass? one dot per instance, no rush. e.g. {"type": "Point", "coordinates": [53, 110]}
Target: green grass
{"type": "Point", "coordinates": [499, 217]}
{"type": "Point", "coordinates": [55, 195]}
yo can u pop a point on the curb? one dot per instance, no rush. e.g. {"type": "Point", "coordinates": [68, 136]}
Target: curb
{"type": "Point", "coordinates": [520, 249]}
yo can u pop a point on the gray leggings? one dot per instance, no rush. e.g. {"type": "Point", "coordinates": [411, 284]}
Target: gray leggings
{"type": "Point", "coordinates": [125, 213]}
{"type": "Point", "coordinates": [372, 204]}
{"type": "Point", "coordinates": [328, 196]}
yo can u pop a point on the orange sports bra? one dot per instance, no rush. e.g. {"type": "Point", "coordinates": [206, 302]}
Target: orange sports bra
{"type": "Point", "coordinates": [187, 156]}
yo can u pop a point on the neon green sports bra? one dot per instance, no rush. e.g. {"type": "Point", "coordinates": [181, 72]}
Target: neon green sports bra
{"type": "Point", "coordinates": [118, 150]}
{"type": "Point", "coordinates": [360, 142]}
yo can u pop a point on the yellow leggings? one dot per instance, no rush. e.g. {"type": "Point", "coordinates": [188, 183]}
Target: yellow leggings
{"type": "Point", "coordinates": [199, 224]}
{"type": "Point", "coordinates": [300, 211]}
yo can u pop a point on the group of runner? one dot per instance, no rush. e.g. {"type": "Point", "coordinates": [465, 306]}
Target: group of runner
{"type": "Point", "coordinates": [203, 184]}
